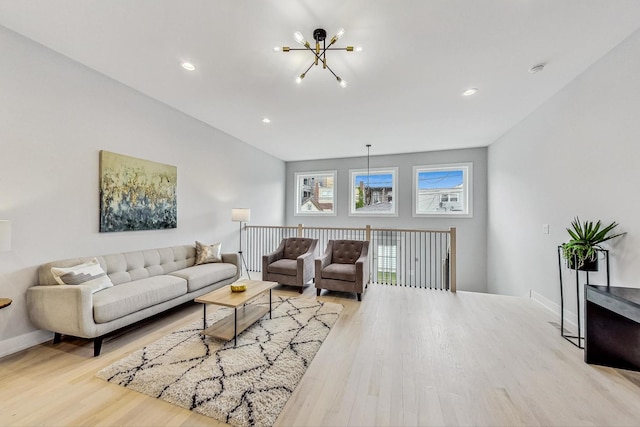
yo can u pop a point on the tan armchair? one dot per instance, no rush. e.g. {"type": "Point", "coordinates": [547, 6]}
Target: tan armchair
{"type": "Point", "coordinates": [291, 263]}
{"type": "Point", "coordinates": [344, 267]}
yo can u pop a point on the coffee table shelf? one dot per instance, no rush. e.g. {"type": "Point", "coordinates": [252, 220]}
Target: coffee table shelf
{"type": "Point", "coordinates": [224, 328]}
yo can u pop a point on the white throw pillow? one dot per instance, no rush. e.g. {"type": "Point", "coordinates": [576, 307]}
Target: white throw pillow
{"type": "Point", "coordinates": [89, 273]}
{"type": "Point", "coordinates": [208, 253]}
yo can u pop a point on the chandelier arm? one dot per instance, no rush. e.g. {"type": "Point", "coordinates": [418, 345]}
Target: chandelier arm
{"type": "Point", "coordinates": [334, 74]}
{"type": "Point", "coordinates": [312, 50]}
{"type": "Point", "coordinates": [318, 56]}
{"type": "Point", "coordinates": [307, 70]}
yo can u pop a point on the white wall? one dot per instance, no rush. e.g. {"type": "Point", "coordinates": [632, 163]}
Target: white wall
{"type": "Point", "coordinates": [471, 232]}
{"type": "Point", "coordinates": [578, 154]}
{"type": "Point", "coordinates": [55, 116]}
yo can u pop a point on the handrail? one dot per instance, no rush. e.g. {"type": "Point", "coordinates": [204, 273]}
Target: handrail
{"type": "Point", "coordinates": [404, 257]}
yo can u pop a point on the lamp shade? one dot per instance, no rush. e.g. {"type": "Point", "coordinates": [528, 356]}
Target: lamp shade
{"type": "Point", "coordinates": [241, 214]}
{"type": "Point", "coordinates": [5, 235]}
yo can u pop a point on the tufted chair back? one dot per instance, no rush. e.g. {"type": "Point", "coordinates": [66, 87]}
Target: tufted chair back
{"type": "Point", "coordinates": [296, 246]}
{"type": "Point", "coordinates": [346, 251]}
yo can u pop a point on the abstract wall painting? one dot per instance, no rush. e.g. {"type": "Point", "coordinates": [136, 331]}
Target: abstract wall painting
{"type": "Point", "coordinates": [136, 194]}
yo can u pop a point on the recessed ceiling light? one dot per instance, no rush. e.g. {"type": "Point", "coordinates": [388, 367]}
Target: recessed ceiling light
{"type": "Point", "coordinates": [536, 68]}
{"type": "Point", "coordinates": [188, 66]}
{"type": "Point", "coordinates": [470, 91]}
{"type": "Point", "coordinates": [266, 120]}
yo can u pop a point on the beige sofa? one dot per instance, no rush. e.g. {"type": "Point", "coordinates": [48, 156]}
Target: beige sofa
{"type": "Point", "coordinates": [146, 283]}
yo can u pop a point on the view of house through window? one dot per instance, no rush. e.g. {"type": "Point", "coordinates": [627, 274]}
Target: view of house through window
{"type": "Point", "coordinates": [315, 193]}
{"type": "Point", "coordinates": [442, 190]}
{"type": "Point", "coordinates": [373, 192]}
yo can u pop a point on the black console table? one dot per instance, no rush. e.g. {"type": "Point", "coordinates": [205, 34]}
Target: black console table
{"type": "Point", "coordinates": [612, 326]}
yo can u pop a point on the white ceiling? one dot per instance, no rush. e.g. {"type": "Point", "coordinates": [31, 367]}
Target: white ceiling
{"type": "Point", "coordinates": [404, 87]}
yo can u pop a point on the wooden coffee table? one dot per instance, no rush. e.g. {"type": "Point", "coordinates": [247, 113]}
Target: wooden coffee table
{"type": "Point", "coordinates": [243, 315]}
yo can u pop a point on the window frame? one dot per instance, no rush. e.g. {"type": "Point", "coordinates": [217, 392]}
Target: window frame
{"type": "Point", "coordinates": [299, 179]}
{"type": "Point", "coordinates": [466, 195]}
{"type": "Point", "coordinates": [353, 173]}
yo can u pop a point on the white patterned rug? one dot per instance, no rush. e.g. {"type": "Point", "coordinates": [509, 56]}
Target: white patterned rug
{"type": "Point", "coordinates": [243, 386]}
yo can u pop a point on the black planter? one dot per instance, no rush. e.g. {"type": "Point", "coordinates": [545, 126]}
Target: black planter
{"type": "Point", "coordinates": [588, 265]}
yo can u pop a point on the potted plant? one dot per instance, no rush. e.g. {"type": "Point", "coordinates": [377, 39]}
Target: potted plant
{"type": "Point", "coordinates": [585, 243]}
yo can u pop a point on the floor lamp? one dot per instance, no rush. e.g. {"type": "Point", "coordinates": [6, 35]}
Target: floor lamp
{"type": "Point", "coordinates": [241, 215]}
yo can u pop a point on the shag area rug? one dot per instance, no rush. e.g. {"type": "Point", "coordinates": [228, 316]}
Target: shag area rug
{"type": "Point", "coordinates": [245, 385]}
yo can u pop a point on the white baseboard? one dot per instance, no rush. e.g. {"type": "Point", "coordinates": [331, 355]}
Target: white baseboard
{"type": "Point", "coordinates": [570, 318]}
{"type": "Point", "coordinates": [15, 344]}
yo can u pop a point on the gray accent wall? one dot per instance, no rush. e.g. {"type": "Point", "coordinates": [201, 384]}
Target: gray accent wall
{"type": "Point", "coordinates": [55, 117]}
{"type": "Point", "coordinates": [472, 232]}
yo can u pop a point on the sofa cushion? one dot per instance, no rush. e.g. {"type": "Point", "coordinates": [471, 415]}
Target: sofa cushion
{"type": "Point", "coordinates": [89, 273]}
{"type": "Point", "coordinates": [288, 267]}
{"type": "Point", "coordinates": [208, 253]}
{"type": "Point", "coordinates": [118, 301]}
{"type": "Point", "coordinates": [345, 272]}
{"type": "Point", "coordinates": [202, 275]}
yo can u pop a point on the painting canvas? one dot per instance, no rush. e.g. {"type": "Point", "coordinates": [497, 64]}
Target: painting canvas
{"type": "Point", "coordinates": [136, 194]}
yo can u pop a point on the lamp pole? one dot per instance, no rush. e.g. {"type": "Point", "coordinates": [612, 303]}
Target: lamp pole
{"type": "Point", "coordinates": [241, 215]}
{"type": "Point", "coordinates": [244, 262]}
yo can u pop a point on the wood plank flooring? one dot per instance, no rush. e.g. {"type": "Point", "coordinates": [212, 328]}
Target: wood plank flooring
{"type": "Point", "coordinates": [401, 357]}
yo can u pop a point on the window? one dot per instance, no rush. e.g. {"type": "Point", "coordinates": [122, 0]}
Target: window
{"type": "Point", "coordinates": [443, 190]}
{"type": "Point", "coordinates": [315, 193]}
{"type": "Point", "coordinates": [373, 192]}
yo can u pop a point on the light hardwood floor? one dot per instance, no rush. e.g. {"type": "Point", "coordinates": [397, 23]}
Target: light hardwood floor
{"type": "Point", "coordinates": [400, 357]}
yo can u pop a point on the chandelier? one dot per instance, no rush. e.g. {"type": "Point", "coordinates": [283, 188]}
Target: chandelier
{"type": "Point", "coordinates": [320, 52]}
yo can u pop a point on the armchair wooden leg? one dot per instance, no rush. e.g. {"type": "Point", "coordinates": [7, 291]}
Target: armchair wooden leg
{"type": "Point", "coordinates": [301, 289]}
{"type": "Point", "coordinates": [359, 297]}
{"type": "Point", "coordinates": [317, 291]}
{"type": "Point", "coordinates": [57, 338]}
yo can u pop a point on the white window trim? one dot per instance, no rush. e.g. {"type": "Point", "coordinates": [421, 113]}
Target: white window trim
{"type": "Point", "coordinates": [394, 188]}
{"type": "Point", "coordinates": [467, 194]}
{"type": "Point", "coordinates": [298, 201]}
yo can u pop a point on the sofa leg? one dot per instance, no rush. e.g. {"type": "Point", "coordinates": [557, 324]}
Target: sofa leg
{"type": "Point", "coordinates": [359, 297]}
{"type": "Point", "coordinates": [301, 289]}
{"type": "Point", "coordinates": [97, 346]}
{"type": "Point", "coordinates": [57, 338]}
{"type": "Point", "coordinates": [317, 291]}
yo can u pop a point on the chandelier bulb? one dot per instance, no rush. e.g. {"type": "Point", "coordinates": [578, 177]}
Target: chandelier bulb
{"type": "Point", "coordinates": [335, 38]}
{"type": "Point", "coordinates": [300, 38]}
{"type": "Point", "coordinates": [300, 77]}
{"type": "Point", "coordinates": [277, 49]}
{"type": "Point", "coordinates": [342, 83]}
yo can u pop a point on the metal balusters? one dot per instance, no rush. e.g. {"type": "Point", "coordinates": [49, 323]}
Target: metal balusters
{"type": "Point", "coordinates": [397, 257]}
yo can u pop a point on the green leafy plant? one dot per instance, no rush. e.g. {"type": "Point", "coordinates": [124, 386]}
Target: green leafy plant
{"type": "Point", "coordinates": [585, 240]}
